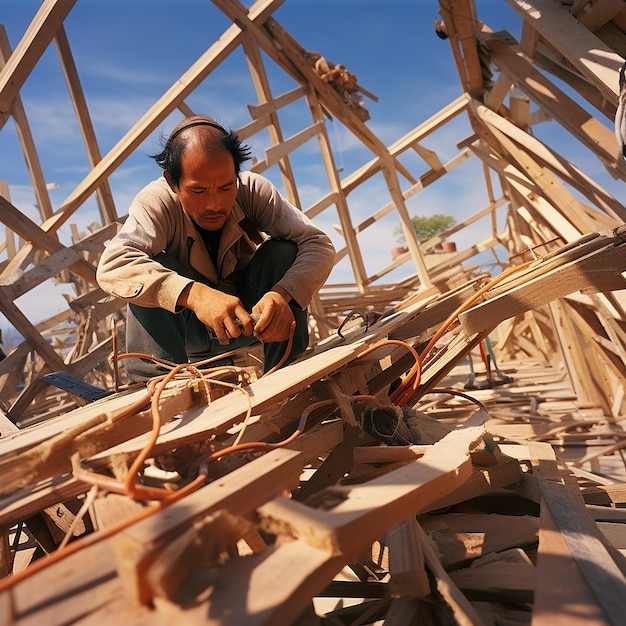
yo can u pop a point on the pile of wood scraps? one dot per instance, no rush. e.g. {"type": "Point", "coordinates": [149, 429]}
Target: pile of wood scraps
{"type": "Point", "coordinates": [228, 498]}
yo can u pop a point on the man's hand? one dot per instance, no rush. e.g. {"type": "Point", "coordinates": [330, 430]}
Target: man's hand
{"type": "Point", "coordinates": [276, 318]}
{"type": "Point", "coordinates": [217, 310]}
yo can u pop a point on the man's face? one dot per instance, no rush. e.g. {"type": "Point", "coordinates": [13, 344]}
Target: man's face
{"type": "Point", "coordinates": [207, 187]}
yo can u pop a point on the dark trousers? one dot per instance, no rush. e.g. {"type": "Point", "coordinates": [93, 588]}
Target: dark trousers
{"type": "Point", "coordinates": [182, 338]}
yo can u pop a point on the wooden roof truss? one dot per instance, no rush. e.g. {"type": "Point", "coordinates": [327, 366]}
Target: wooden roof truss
{"type": "Point", "coordinates": [554, 308]}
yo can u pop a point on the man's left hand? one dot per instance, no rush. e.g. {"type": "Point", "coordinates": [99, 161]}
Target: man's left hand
{"type": "Point", "coordinates": [276, 318]}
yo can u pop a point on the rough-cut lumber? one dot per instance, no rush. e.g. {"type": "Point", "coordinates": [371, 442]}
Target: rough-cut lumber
{"type": "Point", "coordinates": [587, 271]}
{"type": "Point", "coordinates": [595, 579]}
{"type": "Point", "coordinates": [62, 600]}
{"type": "Point", "coordinates": [362, 512]}
{"type": "Point", "coordinates": [47, 457]}
{"type": "Point", "coordinates": [239, 492]}
{"type": "Point", "coordinates": [409, 578]}
{"type": "Point", "coordinates": [508, 576]}
{"type": "Point", "coordinates": [464, 611]}
{"type": "Point", "coordinates": [596, 61]}
{"type": "Point", "coordinates": [463, 537]}
{"type": "Point", "coordinates": [506, 472]}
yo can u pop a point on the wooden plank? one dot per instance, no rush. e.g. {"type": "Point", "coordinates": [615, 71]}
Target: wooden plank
{"type": "Point", "coordinates": [75, 588]}
{"type": "Point", "coordinates": [82, 584]}
{"type": "Point", "coordinates": [44, 270]}
{"type": "Point", "coordinates": [110, 509]}
{"type": "Point", "coordinates": [27, 330]}
{"type": "Point", "coordinates": [28, 230]}
{"type": "Point", "coordinates": [579, 356]}
{"type": "Point", "coordinates": [28, 438]}
{"type": "Point", "coordinates": [334, 467]}
{"type": "Point", "coordinates": [561, 596]}
{"type": "Point", "coordinates": [595, 579]}
{"type": "Point", "coordinates": [362, 512]}
{"type": "Point", "coordinates": [239, 593]}
{"type": "Point", "coordinates": [409, 578]}
{"type": "Point", "coordinates": [267, 393]}
{"type": "Point", "coordinates": [339, 194]}
{"type": "Point", "coordinates": [593, 59]}
{"type": "Point", "coordinates": [461, 537]}
{"type": "Point", "coordinates": [201, 546]}
{"type": "Point", "coordinates": [505, 473]}
{"type": "Point", "coordinates": [614, 533]}
{"type": "Point", "coordinates": [239, 492]}
{"type": "Point", "coordinates": [559, 196]}
{"type": "Point", "coordinates": [605, 494]}
{"type": "Point", "coordinates": [25, 503]}
{"type": "Point", "coordinates": [588, 130]}
{"type": "Point", "coordinates": [460, 19]}
{"type": "Point", "coordinates": [266, 108]}
{"type": "Point", "coordinates": [297, 569]}
{"type": "Point", "coordinates": [572, 275]}
{"type": "Point", "coordinates": [104, 196]}
{"type": "Point", "coordinates": [601, 574]}
{"type": "Point", "coordinates": [603, 11]}
{"type": "Point", "coordinates": [508, 576]}
{"type": "Point", "coordinates": [464, 612]}
{"type": "Point", "coordinates": [79, 367]}
{"type": "Point", "coordinates": [26, 140]}
{"type": "Point", "coordinates": [86, 430]}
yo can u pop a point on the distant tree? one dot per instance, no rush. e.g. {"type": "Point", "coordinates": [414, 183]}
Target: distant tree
{"type": "Point", "coordinates": [427, 227]}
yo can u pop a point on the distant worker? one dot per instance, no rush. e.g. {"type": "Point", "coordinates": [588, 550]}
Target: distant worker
{"type": "Point", "coordinates": [193, 266]}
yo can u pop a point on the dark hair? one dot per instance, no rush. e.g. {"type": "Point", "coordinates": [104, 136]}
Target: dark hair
{"type": "Point", "coordinates": [170, 157]}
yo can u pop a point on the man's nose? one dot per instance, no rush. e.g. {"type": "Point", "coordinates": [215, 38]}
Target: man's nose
{"type": "Point", "coordinates": [212, 202]}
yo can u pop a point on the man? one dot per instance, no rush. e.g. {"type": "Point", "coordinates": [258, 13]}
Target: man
{"type": "Point", "coordinates": [192, 264]}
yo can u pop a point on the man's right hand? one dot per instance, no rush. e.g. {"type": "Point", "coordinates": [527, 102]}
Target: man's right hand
{"type": "Point", "coordinates": [217, 310]}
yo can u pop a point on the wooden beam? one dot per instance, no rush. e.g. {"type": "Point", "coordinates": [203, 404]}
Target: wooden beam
{"type": "Point", "coordinates": [40, 33]}
{"type": "Point", "coordinates": [589, 131]}
{"type": "Point", "coordinates": [26, 139]}
{"type": "Point", "coordinates": [28, 230]}
{"type": "Point", "coordinates": [240, 492]}
{"type": "Point", "coordinates": [564, 275]}
{"type": "Point", "coordinates": [593, 59]}
{"type": "Point", "coordinates": [103, 192]}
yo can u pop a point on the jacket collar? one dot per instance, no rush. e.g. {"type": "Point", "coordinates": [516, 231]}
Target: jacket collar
{"type": "Point", "coordinates": [199, 257]}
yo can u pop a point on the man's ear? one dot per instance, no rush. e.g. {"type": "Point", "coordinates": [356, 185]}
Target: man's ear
{"type": "Point", "coordinates": [168, 178]}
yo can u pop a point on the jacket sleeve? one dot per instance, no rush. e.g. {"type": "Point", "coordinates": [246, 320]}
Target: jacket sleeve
{"type": "Point", "coordinates": [127, 268]}
{"type": "Point", "coordinates": [276, 217]}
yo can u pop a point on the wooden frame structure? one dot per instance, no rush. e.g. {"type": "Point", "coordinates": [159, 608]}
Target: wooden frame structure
{"type": "Point", "coordinates": [555, 308]}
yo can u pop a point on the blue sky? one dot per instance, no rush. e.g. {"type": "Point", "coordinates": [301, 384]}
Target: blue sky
{"type": "Point", "coordinates": [128, 53]}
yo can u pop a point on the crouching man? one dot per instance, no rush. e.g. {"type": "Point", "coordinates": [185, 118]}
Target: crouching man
{"type": "Point", "coordinates": [204, 247]}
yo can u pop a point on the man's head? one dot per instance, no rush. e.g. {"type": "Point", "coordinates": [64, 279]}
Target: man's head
{"type": "Point", "coordinates": [170, 157]}
{"type": "Point", "coordinates": [201, 162]}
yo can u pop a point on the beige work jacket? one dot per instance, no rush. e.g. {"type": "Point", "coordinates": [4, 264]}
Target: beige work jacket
{"type": "Point", "coordinates": [156, 222]}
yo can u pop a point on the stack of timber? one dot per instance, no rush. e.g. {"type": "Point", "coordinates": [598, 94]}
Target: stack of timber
{"type": "Point", "coordinates": [450, 447]}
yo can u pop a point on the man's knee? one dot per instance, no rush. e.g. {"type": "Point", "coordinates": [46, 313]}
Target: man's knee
{"type": "Point", "coordinates": [276, 255]}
